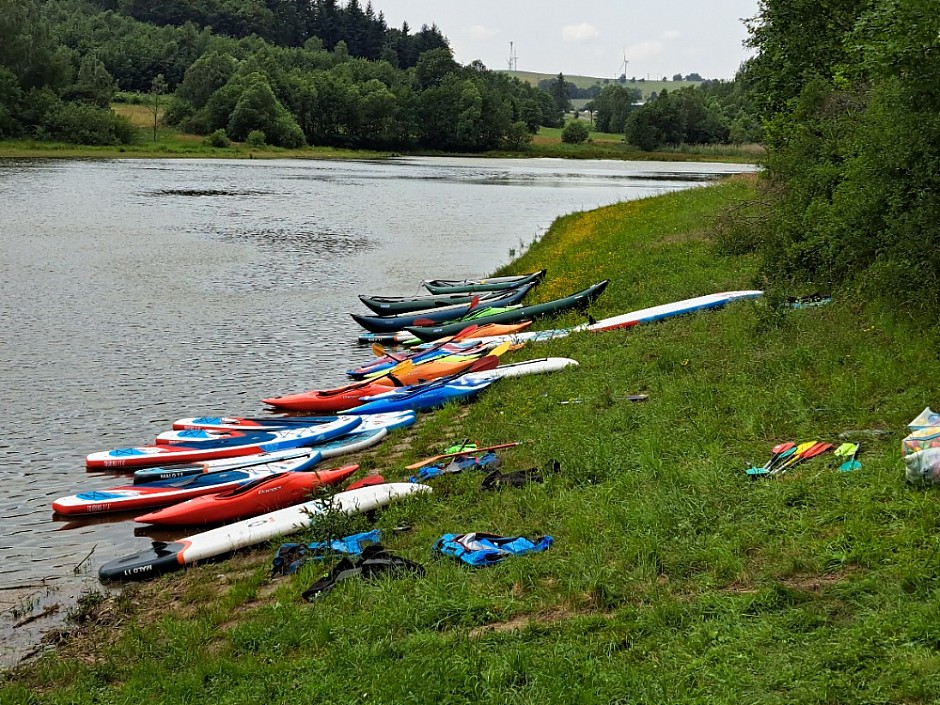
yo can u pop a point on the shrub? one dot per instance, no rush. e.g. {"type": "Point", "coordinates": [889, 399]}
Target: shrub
{"type": "Point", "coordinates": [575, 132]}
{"type": "Point", "coordinates": [218, 139]}
{"type": "Point", "coordinates": [256, 138]}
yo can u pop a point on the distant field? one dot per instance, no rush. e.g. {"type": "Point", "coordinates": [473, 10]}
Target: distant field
{"type": "Point", "coordinates": [644, 86]}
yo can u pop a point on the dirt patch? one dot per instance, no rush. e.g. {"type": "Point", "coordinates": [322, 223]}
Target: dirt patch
{"type": "Point", "coordinates": [552, 616]}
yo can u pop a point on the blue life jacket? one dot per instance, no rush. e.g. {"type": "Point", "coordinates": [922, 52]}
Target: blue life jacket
{"type": "Point", "coordinates": [290, 556]}
{"type": "Point", "coordinates": [488, 462]}
{"type": "Point", "coordinates": [486, 549]}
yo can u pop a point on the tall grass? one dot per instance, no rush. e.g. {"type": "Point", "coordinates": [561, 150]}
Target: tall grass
{"type": "Point", "coordinates": [673, 578]}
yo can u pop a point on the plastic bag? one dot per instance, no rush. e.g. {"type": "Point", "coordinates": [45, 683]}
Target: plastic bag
{"type": "Point", "coordinates": [923, 467]}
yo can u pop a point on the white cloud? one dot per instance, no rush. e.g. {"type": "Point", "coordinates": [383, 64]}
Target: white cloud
{"type": "Point", "coordinates": [644, 50]}
{"type": "Point", "coordinates": [579, 32]}
{"type": "Point", "coordinates": [479, 31]}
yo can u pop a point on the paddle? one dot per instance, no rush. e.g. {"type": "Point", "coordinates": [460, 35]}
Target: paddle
{"type": "Point", "coordinates": [849, 451]}
{"type": "Point", "coordinates": [788, 456]}
{"type": "Point", "coordinates": [815, 448]}
{"type": "Point", "coordinates": [470, 451]}
{"type": "Point", "coordinates": [777, 453]}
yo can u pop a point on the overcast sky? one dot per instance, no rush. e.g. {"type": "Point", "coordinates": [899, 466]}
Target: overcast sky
{"type": "Point", "coordinates": [588, 37]}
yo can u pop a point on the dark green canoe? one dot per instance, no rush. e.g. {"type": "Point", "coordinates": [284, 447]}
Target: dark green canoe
{"type": "Point", "coordinates": [457, 286]}
{"type": "Point", "coordinates": [395, 305]}
{"type": "Point", "coordinates": [578, 300]}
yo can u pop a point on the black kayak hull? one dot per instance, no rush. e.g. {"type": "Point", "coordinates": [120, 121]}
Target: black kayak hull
{"type": "Point", "coordinates": [395, 305]}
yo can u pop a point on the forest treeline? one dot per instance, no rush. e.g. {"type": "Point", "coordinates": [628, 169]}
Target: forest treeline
{"type": "Point", "coordinates": [849, 95]}
{"type": "Point", "coordinates": [291, 73]}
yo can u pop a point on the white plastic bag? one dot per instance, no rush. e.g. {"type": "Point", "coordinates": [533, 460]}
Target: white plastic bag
{"type": "Point", "coordinates": [923, 467]}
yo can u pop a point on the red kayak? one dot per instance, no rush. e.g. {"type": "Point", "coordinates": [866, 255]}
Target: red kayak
{"type": "Point", "coordinates": [328, 401]}
{"type": "Point", "coordinates": [251, 499]}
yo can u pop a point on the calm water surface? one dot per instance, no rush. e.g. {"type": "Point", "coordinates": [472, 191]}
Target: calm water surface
{"type": "Point", "coordinates": [136, 292]}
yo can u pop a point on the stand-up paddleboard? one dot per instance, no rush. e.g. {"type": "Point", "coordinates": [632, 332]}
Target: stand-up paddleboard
{"type": "Point", "coordinates": [238, 443]}
{"type": "Point", "coordinates": [168, 472]}
{"type": "Point", "coordinates": [277, 423]}
{"type": "Point", "coordinates": [164, 557]}
{"type": "Point", "coordinates": [645, 315]}
{"type": "Point", "coordinates": [517, 369]}
{"type": "Point", "coordinates": [319, 433]}
{"type": "Point", "coordinates": [162, 492]}
{"type": "Point", "coordinates": [352, 443]}
{"type": "Point", "coordinates": [658, 313]}
{"type": "Point", "coordinates": [422, 397]}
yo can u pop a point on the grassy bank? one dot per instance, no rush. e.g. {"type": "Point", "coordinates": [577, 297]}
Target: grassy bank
{"type": "Point", "coordinates": [172, 143]}
{"type": "Point", "coordinates": [673, 578]}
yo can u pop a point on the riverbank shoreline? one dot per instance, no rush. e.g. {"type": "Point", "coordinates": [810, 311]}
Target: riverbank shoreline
{"type": "Point", "coordinates": [673, 576]}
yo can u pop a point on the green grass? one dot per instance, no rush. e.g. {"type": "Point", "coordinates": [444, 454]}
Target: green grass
{"type": "Point", "coordinates": [673, 578]}
{"type": "Point", "coordinates": [646, 87]}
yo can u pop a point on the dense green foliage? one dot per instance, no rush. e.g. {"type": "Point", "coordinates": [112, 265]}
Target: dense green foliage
{"type": "Point", "coordinates": [850, 93]}
{"type": "Point", "coordinates": [324, 86]}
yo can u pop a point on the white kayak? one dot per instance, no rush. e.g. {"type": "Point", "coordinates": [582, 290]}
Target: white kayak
{"type": "Point", "coordinates": [164, 557]}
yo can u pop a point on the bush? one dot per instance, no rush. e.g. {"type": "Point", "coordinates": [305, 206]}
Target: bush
{"type": "Point", "coordinates": [218, 139]}
{"type": "Point", "coordinates": [575, 132]}
{"type": "Point", "coordinates": [82, 123]}
{"type": "Point", "coordinates": [256, 138]}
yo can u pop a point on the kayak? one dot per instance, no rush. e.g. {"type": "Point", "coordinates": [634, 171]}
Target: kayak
{"type": "Point", "coordinates": [386, 362]}
{"type": "Point", "coordinates": [164, 557]}
{"type": "Point", "coordinates": [318, 433]}
{"type": "Point", "coordinates": [403, 337]}
{"type": "Point", "coordinates": [394, 305]}
{"type": "Point", "coordinates": [345, 398]}
{"type": "Point", "coordinates": [260, 496]}
{"type": "Point", "coordinates": [457, 286]}
{"type": "Point", "coordinates": [161, 492]}
{"type": "Point", "coordinates": [274, 423]}
{"type": "Point", "coordinates": [422, 397]}
{"type": "Point", "coordinates": [328, 400]}
{"type": "Point", "coordinates": [396, 322]}
{"type": "Point", "coordinates": [238, 443]}
{"type": "Point", "coordinates": [579, 299]}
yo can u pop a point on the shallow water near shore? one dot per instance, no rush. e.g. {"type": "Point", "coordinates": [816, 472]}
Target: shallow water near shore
{"type": "Point", "coordinates": [136, 292]}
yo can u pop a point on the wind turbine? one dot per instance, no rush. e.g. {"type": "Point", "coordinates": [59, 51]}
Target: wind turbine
{"type": "Point", "coordinates": [623, 66]}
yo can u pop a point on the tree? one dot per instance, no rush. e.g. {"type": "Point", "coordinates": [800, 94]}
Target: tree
{"type": "Point", "coordinates": [558, 89]}
{"type": "Point", "coordinates": [157, 88]}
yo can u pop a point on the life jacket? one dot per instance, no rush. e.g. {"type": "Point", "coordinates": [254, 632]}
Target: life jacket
{"type": "Point", "coordinates": [375, 562]}
{"type": "Point", "coordinates": [486, 549]}
{"type": "Point", "coordinates": [486, 462]}
{"type": "Point", "coordinates": [290, 556]}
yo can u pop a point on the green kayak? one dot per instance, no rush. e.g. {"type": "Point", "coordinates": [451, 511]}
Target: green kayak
{"type": "Point", "coordinates": [523, 313]}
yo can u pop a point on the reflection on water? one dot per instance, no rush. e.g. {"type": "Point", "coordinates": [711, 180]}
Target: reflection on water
{"type": "Point", "coordinates": [136, 292]}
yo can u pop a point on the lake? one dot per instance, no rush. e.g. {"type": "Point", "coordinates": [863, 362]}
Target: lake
{"type": "Point", "coordinates": [136, 292]}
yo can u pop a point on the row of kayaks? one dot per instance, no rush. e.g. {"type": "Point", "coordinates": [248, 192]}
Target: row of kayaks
{"type": "Point", "coordinates": [260, 472]}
